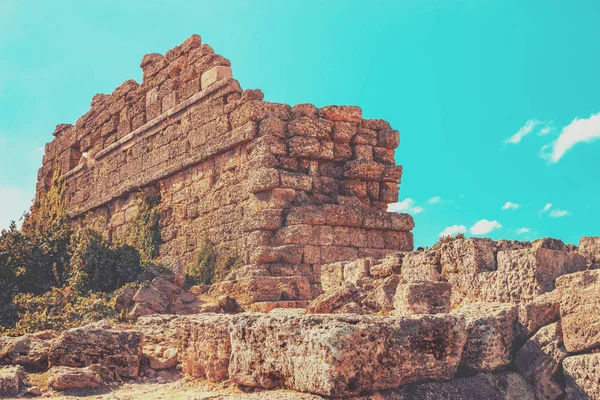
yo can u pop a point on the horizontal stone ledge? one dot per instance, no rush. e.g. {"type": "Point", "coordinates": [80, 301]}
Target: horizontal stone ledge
{"type": "Point", "coordinates": [155, 121]}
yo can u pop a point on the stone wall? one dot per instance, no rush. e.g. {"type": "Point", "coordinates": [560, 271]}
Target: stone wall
{"type": "Point", "coordinates": [297, 185]}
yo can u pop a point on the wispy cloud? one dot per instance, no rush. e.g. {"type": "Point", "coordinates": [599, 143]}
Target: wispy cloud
{"type": "Point", "coordinates": [523, 131]}
{"type": "Point", "coordinates": [522, 231]}
{"type": "Point", "coordinates": [453, 230]}
{"type": "Point", "coordinates": [509, 205]}
{"type": "Point", "coordinates": [407, 205]}
{"type": "Point", "coordinates": [559, 213]}
{"type": "Point", "coordinates": [435, 200]}
{"type": "Point", "coordinates": [583, 130]}
{"type": "Point", "coordinates": [484, 226]}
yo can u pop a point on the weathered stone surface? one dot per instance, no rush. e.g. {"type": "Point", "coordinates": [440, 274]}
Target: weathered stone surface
{"type": "Point", "coordinates": [118, 350]}
{"type": "Point", "coordinates": [582, 375]}
{"type": "Point", "coordinates": [422, 298]}
{"type": "Point", "coordinates": [264, 288]}
{"type": "Point", "coordinates": [334, 299]}
{"type": "Point", "coordinates": [205, 347]}
{"type": "Point", "coordinates": [498, 386]}
{"type": "Point", "coordinates": [344, 355]}
{"type": "Point", "coordinates": [539, 361]}
{"type": "Point", "coordinates": [541, 311]}
{"type": "Point", "coordinates": [64, 378]}
{"type": "Point", "coordinates": [491, 331]}
{"type": "Point", "coordinates": [28, 351]}
{"type": "Point", "coordinates": [332, 276]}
{"type": "Point", "coordinates": [589, 247]}
{"type": "Point", "coordinates": [11, 379]}
{"type": "Point", "coordinates": [467, 256]}
{"type": "Point", "coordinates": [422, 266]}
{"type": "Point", "coordinates": [524, 274]}
{"type": "Point", "coordinates": [579, 310]}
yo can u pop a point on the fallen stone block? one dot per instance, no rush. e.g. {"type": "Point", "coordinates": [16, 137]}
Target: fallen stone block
{"type": "Point", "coordinates": [332, 276]}
{"type": "Point", "coordinates": [343, 355]}
{"type": "Point", "coordinates": [11, 379]}
{"type": "Point", "coordinates": [473, 288]}
{"type": "Point", "coordinates": [467, 256]}
{"type": "Point", "coordinates": [589, 247]}
{"type": "Point", "coordinates": [356, 270]}
{"type": "Point", "coordinates": [422, 298]}
{"type": "Point", "coordinates": [496, 386]}
{"type": "Point", "coordinates": [98, 343]}
{"type": "Point", "coordinates": [65, 378]}
{"type": "Point", "coordinates": [205, 347]}
{"type": "Point", "coordinates": [379, 293]}
{"type": "Point", "coordinates": [525, 274]}
{"type": "Point", "coordinates": [28, 351]}
{"type": "Point", "coordinates": [539, 362]}
{"type": "Point", "coordinates": [268, 306]}
{"type": "Point", "coordinates": [541, 311]}
{"type": "Point", "coordinates": [582, 375]}
{"type": "Point", "coordinates": [490, 335]}
{"type": "Point", "coordinates": [422, 266]}
{"type": "Point", "coordinates": [264, 288]}
{"type": "Point", "coordinates": [579, 310]}
{"type": "Point", "coordinates": [334, 299]}
{"type": "Point", "coordinates": [390, 265]}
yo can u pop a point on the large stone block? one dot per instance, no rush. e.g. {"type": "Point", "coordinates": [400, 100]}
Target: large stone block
{"type": "Point", "coordinates": [344, 355]}
{"type": "Point", "coordinates": [422, 298]}
{"type": "Point", "coordinates": [11, 379]}
{"type": "Point", "coordinates": [589, 247]}
{"type": "Point", "coordinates": [205, 347]}
{"type": "Point", "coordinates": [98, 343]}
{"type": "Point", "coordinates": [332, 276]}
{"type": "Point", "coordinates": [467, 256]}
{"type": "Point", "coordinates": [580, 310]}
{"type": "Point", "coordinates": [29, 351]}
{"type": "Point", "coordinates": [524, 274]}
{"type": "Point", "coordinates": [582, 374]}
{"type": "Point", "coordinates": [491, 332]}
{"type": "Point", "coordinates": [264, 288]}
{"type": "Point", "coordinates": [422, 266]}
{"type": "Point", "coordinates": [541, 311]}
{"type": "Point", "coordinates": [66, 378]}
{"type": "Point", "coordinates": [539, 361]}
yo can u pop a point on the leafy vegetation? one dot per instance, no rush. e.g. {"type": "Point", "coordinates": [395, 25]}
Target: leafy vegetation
{"type": "Point", "coordinates": [210, 267]}
{"type": "Point", "coordinates": [144, 231]}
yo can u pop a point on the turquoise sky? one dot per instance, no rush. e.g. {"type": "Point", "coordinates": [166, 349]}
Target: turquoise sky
{"type": "Point", "coordinates": [496, 101]}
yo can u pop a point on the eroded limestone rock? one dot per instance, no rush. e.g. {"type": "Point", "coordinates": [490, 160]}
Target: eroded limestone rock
{"type": "Point", "coordinates": [28, 351]}
{"type": "Point", "coordinates": [422, 298]}
{"type": "Point", "coordinates": [11, 379]}
{"type": "Point", "coordinates": [582, 374]}
{"type": "Point", "coordinates": [64, 378]}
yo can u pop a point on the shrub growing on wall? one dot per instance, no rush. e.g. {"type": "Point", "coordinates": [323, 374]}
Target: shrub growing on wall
{"type": "Point", "coordinates": [144, 231]}
{"type": "Point", "coordinates": [211, 267]}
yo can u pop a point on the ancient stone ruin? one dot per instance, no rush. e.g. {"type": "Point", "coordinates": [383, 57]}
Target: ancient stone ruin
{"type": "Point", "coordinates": [332, 302]}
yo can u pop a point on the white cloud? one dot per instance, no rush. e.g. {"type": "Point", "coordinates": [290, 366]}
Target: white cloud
{"type": "Point", "coordinates": [559, 213]}
{"type": "Point", "coordinates": [544, 131]}
{"type": "Point", "coordinates": [484, 226]}
{"type": "Point", "coordinates": [435, 200]}
{"type": "Point", "coordinates": [546, 208]}
{"type": "Point", "coordinates": [14, 202]}
{"type": "Point", "coordinates": [406, 206]}
{"type": "Point", "coordinates": [453, 230]}
{"type": "Point", "coordinates": [521, 231]}
{"type": "Point", "coordinates": [578, 131]}
{"type": "Point", "coordinates": [524, 131]}
{"type": "Point", "coordinates": [509, 205]}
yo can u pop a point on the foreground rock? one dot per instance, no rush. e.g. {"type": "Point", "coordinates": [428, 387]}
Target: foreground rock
{"type": "Point", "coordinates": [500, 386]}
{"type": "Point", "coordinates": [491, 331]}
{"type": "Point", "coordinates": [582, 374]}
{"type": "Point", "coordinates": [10, 380]}
{"type": "Point", "coordinates": [205, 346]}
{"type": "Point", "coordinates": [65, 378]}
{"type": "Point", "coordinates": [344, 355]}
{"type": "Point", "coordinates": [98, 343]}
{"type": "Point", "coordinates": [539, 362]}
{"type": "Point", "coordinates": [28, 351]}
{"type": "Point", "coordinates": [579, 310]}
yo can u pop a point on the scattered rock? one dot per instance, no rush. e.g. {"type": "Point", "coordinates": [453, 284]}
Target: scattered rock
{"type": "Point", "coordinates": [329, 302]}
{"type": "Point", "coordinates": [29, 351]}
{"type": "Point", "coordinates": [64, 378]}
{"type": "Point", "coordinates": [11, 379]}
{"type": "Point", "coordinates": [582, 375]}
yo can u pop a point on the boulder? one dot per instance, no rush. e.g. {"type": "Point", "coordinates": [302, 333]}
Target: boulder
{"type": "Point", "coordinates": [582, 375]}
{"type": "Point", "coordinates": [527, 273]}
{"type": "Point", "coordinates": [205, 347]}
{"type": "Point", "coordinates": [468, 256]}
{"type": "Point", "coordinates": [28, 351]}
{"type": "Point", "coordinates": [264, 288]}
{"type": "Point", "coordinates": [11, 379]}
{"type": "Point", "coordinates": [579, 310]}
{"type": "Point", "coordinates": [65, 378]}
{"type": "Point", "coordinates": [490, 335]}
{"type": "Point", "coordinates": [332, 276]}
{"type": "Point", "coordinates": [98, 343]}
{"type": "Point", "coordinates": [343, 355]}
{"type": "Point", "coordinates": [422, 266]}
{"type": "Point", "coordinates": [497, 386]}
{"type": "Point", "coordinates": [541, 311]}
{"type": "Point", "coordinates": [422, 298]}
{"type": "Point", "coordinates": [539, 362]}
{"type": "Point", "coordinates": [589, 247]}
{"type": "Point", "coordinates": [334, 299]}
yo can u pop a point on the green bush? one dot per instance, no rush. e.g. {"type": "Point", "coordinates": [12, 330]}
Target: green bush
{"type": "Point", "coordinates": [97, 266]}
{"type": "Point", "coordinates": [144, 230]}
{"type": "Point", "coordinates": [209, 267]}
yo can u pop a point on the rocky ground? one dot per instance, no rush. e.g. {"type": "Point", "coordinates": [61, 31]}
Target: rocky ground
{"type": "Point", "coordinates": [466, 319]}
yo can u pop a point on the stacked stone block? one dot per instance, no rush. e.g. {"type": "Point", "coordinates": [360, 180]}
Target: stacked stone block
{"type": "Point", "coordinates": [278, 184]}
